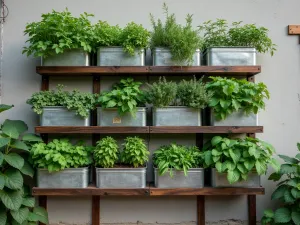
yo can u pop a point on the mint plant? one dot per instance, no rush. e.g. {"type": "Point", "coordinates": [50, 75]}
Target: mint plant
{"type": "Point", "coordinates": [238, 157]}
{"type": "Point", "coordinates": [57, 32]}
{"type": "Point", "coordinates": [16, 205]}
{"type": "Point", "coordinates": [106, 153]}
{"type": "Point", "coordinates": [107, 35]}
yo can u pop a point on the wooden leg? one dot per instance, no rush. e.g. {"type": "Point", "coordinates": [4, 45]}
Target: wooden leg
{"type": "Point", "coordinates": [43, 203]}
{"type": "Point", "coordinates": [200, 210]}
{"type": "Point", "coordinates": [252, 209]}
{"type": "Point", "coordinates": [96, 210]}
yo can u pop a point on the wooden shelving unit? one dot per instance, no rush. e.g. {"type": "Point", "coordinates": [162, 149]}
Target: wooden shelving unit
{"type": "Point", "coordinates": [96, 72]}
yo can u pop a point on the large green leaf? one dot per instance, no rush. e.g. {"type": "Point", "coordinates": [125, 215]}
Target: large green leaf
{"type": "Point", "coordinates": [269, 213]}
{"type": "Point", "coordinates": [38, 214]}
{"type": "Point", "coordinates": [289, 159]}
{"type": "Point", "coordinates": [216, 140]}
{"type": "Point", "coordinates": [275, 176]}
{"type": "Point", "coordinates": [235, 155]}
{"type": "Point", "coordinates": [288, 197]}
{"type": "Point", "coordinates": [28, 201]}
{"type": "Point", "coordinates": [20, 215]}
{"type": "Point", "coordinates": [296, 217]}
{"type": "Point", "coordinates": [4, 107]}
{"type": "Point", "coordinates": [27, 169]}
{"type": "Point", "coordinates": [296, 193]}
{"type": "Point", "coordinates": [17, 144]}
{"type": "Point", "coordinates": [11, 199]}
{"type": "Point", "coordinates": [4, 141]}
{"type": "Point", "coordinates": [13, 179]}
{"type": "Point", "coordinates": [233, 176]}
{"type": "Point", "coordinates": [208, 158]}
{"type": "Point", "coordinates": [282, 215]}
{"type": "Point", "coordinates": [228, 165]}
{"type": "Point", "coordinates": [17, 125]}
{"type": "Point", "coordinates": [219, 167]}
{"type": "Point", "coordinates": [2, 181]}
{"type": "Point", "coordinates": [3, 217]}
{"type": "Point", "coordinates": [249, 164]}
{"type": "Point", "coordinates": [287, 168]}
{"type": "Point", "coordinates": [31, 138]}
{"type": "Point", "coordinates": [275, 164]}
{"type": "Point", "coordinates": [15, 160]}
{"type": "Point", "coordinates": [1, 158]}
{"type": "Point", "coordinates": [260, 167]}
{"type": "Point", "coordinates": [279, 192]}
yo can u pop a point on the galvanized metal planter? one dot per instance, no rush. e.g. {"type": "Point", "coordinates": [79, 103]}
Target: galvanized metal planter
{"type": "Point", "coordinates": [194, 179]}
{"type": "Point", "coordinates": [235, 119]}
{"type": "Point", "coordinates": [110, 117]}
{"type": "Point", "coordinates": [115, 56]}
{"type": "Point", "coordinates": [163, 57]}
{"type": "Point", "coordinates": [230, 56]}
{"type": "Point", "coordinates": [67, 178]}
{"type": "Point", "coordinates": [176, 116]}
{"type": "Point", "coordinates": [220, 180]}
{"type": "Point", "coordinates": [121, 177]}
{"type": "Point", "coordinates": [61, 116]}
{"type": "Point", "coordinates": [72, 57]}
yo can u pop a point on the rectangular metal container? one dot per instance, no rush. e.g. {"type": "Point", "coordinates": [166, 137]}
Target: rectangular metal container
{"type": "Point", "coordinates": [235, 119]}
{"type": "Point", "coordinates": [72, 57]}
{"type": "Point", "coordinates": [194, 179]}
{"type": "Point", "coordinates": [61, 116]}
{"type": "Point", "coordinates": [121, 177]}
{"type": "Point", "coordinates": [163, 57]}
{"type": "Point", "coordinates": [220, 180]}
{"type": "Point", "coordinates": [110, 117]}
{"type": "Point", "coordinates": [67, 178]}
{"type": "Point", "coordinates": [230, 56]}
{"type": "Point", "coordinates": [115, 56]}
{"type": "Point", "coordinates": [176, 116]}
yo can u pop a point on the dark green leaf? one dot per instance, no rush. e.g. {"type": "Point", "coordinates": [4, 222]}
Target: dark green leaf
{"type": "Point", "coordinates": [11, 199]}
{"type": "Point", "coordinates": [216, 140]}
{"type": "Point", "coordinates": [14, 160]}
{"type": "Point", "coordinates": [279, 192]}
{"type": "Point", "coordinates": [27, 169]}
{"type": "Point", "coordinates": [296, 217]}
{"type": "Point", "coordinates": [13, 179]}
{"type": "Point", "coordinates": [275, 176]}
{"type": "Point", "coordinates": [20, 215]}
{"type": "Point", "coordinates": [4, 141]}
{"type": "Point", "coordinates": [269, 213]}
{"type": "Point", "coordinates": [19, 145]}
{"type": "Point", "coordinates": [2, 181]}
{"type": "Point", "coordinates": [289, 159]}
{"type": "Point", "coordinates": [288, 197]}
{"type": "Point", "coordinates": [13, 128]}
{"type": "Point", "coordinates": [29, 201]}
{"type": "Point", "coordinates": [3, 217]}
{"type": "Point", "coordinates": [4, 107]}
{"type": "Point", "coordinates": [282, 215]}
{"type": "Point", "coordinates": [31, 138]}
{"type": "Point", "coordinates": [42, 214]}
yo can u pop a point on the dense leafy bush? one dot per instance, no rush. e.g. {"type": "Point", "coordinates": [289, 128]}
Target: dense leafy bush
{"type": "Point", "coordinates": [106, 153]}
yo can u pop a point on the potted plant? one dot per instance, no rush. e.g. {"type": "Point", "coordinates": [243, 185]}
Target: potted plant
{"type": "Point", "coordinates": [177, 166]}
{"type": "Point", "coordinates": [173, 44]}
{"type": "Point", "coordinates": [60, 164]}
{"type": "Point", "coordinates": [235, 45]}
{"type": "Point", "coordinates": [17, 204]}
{"type": "Point", "coordinates": [60, 39]}
{"type": "Point", "coordinates": [287, 192]}
{"type": "Point", "coordinates": [235, 102]}
{"type": "Point", "coordinates": [122, 106]}
{"type": "Point", "coordinates": [63, 108]}
{"type": "Point", "coordinates": [177, 104]}
{"type": "Point", "coordinates": [238, 162]}
{"type": "Point", "coordinates": [120, 47]}
{"type": "Point", "coordinates": [121, 170]}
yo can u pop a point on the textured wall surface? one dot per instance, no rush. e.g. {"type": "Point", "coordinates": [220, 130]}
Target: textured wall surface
{"type": "Point", "coordinates": [281, 118]}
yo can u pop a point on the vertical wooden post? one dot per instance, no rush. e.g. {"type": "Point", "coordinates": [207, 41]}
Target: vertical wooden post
{"type": "Point", "coordinates": [95, 210]}
{"type": "Point", "coordinates": [252, 209]}
{"type": "Point", "coordinates": [43, 203]}
{"type": "Point", "coordinates": [45, 83]}
{"type": "Point", "coordinates": [200, 210]}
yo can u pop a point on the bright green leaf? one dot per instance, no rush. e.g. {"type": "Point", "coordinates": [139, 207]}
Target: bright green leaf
{"type": "Point", "coordinates": [29, 201]}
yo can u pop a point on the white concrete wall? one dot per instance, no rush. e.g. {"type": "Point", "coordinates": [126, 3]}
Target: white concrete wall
{"type": "Point", "coordinates": [281, 73]}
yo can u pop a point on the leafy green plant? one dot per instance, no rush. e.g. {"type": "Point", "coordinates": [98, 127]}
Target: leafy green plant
{"type": "Point", "coordinates": [287, 192]}
{"type": "Point", "coordinates": [16, 205]}
{"type": "Point", "coordinates": [107, 35]}
{"type": "Point", "coordinates": [182, 41]}
{"type": "Point", "coordinates": [219, 34]}
{"type": "Point", "coordinates": [231, 95]}
{"type": "Point", "coordinates": [60, 154]}
{"type": "Point", "coordinates": [106, 152]}
{"type": "Point", "coordinates": [126, 96]}
{"type": "Point", "coordinates": [134, 152]}
{"type": "Point", "coordinates": [238, 157]}
{"type": "Point", "coordinates": [57, 32]}
{"type": "Point", "coordinates": [178, 157]}
{"type": "Point", "coordinates": [75, 100]}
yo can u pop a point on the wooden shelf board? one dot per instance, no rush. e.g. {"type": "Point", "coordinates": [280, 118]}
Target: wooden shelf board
{"type": "Point", "coordinates": [148, 70]}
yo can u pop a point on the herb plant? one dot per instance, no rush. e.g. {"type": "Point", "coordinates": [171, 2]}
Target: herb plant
{"type": "Point", "coordinates": [60, 154]}
{"type": "Point", "coordinates": [16, 205]}
{"type": "Point", "coordinates": [57, 32]}
{"type": "Point", "coordinates": [107, 35]}
{"type": "Point", "coordinates": [75, 100]}
{"type": "Point", "coordinates": [106, 152]}
{"type": "Point", "coordinates": [287, 192]}
{"type": "Point", "coordinates": [134, 152]}
{"type": "Point", "coordinates": [238, 157]}
{"type": "Point", "coordinates": [178, 157]}
{"type": "Point", "coordinates": [231, 95]}
{"type": "Point", "coordinates": [182, 41]}
{"type": "Point", "coordinates": [126, 96]}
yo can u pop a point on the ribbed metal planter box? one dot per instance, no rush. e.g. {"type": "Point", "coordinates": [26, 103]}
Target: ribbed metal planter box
{"type": "Point", "coordinates": [176, 116]}
{"type": "Point", "coordinates": [61, 116]}
{"type": "Point", "coordinates": [235, 119]}
{"type": "Point", "coordinates": [110, 117]}
{"type": "Point", "coordinates": [220, 180]}
{"type": "Point", "coordinates": [163, 57]}
{"type": "Point", "coordinates": [194, 179]}
{"type": "Point", "coordinates": [67, 178]}
{"type": "Point", "coordinates": [121, 177]}
{"type": "Point", "coordinates": [115, 56]}
{"type": "Point", "coordinates": [227, 56]}
{"type": "Point", "coordinates": [73, 57]}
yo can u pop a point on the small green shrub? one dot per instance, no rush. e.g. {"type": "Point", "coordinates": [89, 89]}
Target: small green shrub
{"type": "Point", "coordinates": [106, 153]}
{"type": "Point", "coordinates": [107, 35]}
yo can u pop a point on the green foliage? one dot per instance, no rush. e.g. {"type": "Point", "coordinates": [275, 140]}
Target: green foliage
{"type": "Point", "coordinates": [231, 95]}
{"type": "Point", "coordinates": [107, 35]}
{"type": "Point", "coordinates": [126, 96]}
{"type": "Point", "coordinates": [219, 34]}
{"type": "Point", "coordinates": [106, 152]}
{"type": "Point", "coordinates": [57, 32]}
{"type": "Point", "coordinates": [134, 152]}
{"type": "Point", "coordinates": [60, 154]}
{"type": "Point", "coordinates": [82, 103]}
{"type": "Point", "coordinates": [238, 157]}
{"type": "Point", "coordinates": [287, 192]}
{"type": "Point", "coordinates": [16, 205]}
{"type": "Point", "coordinates": [178, 157]}
{"type": "Point", "coordinates": [182, 41]}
